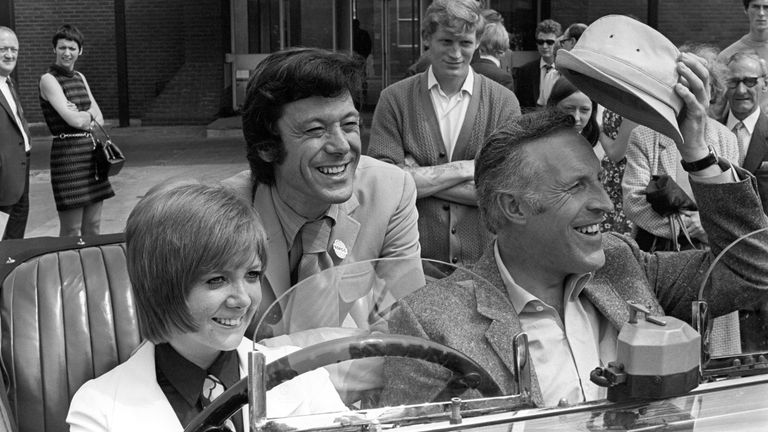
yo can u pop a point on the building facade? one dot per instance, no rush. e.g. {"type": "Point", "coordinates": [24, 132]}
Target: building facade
{"type": "Point", "coordinates": [187, 62]}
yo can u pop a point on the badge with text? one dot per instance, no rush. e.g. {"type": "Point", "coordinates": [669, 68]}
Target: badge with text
{"type": "Point", "coordinates": [340, 249]}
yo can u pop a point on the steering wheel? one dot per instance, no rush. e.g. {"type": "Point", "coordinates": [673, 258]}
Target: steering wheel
{"type": "Point", "coordinates": [467, 374]}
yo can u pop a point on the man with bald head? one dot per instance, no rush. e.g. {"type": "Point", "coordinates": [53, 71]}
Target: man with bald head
{"type": "Point", "coordinates": [745, 90]}
{"type": "Point", "coordinates": [14, 143]}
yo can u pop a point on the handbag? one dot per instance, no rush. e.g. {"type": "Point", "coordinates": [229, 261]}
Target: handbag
{"type": "Point", "coordinates": [107, 156]}
{"type": "Point", "coordinates": [667, 198]}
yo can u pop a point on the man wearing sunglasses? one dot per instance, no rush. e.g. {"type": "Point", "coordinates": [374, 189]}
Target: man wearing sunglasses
{"type": "Point", "coordinates": [745, 88]}
{"type": "Point", "coordinates": [530, 77]}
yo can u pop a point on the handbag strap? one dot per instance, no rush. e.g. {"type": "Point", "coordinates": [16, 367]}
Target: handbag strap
{"type": "Point", "coordinates": [101, 128]}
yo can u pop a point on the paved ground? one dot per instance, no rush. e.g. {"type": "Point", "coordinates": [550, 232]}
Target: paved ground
{"type": "Point", "coordinates": [152, 155]}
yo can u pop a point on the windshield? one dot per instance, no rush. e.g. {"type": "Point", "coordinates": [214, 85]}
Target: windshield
{"type": "Point", "coordinates": [358, 306]}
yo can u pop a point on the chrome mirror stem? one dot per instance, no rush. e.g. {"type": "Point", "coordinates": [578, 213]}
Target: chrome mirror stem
{"type": "Point", "coordinates": [257, 390]}
{"type": "Point", "coordinates": [522, 366]}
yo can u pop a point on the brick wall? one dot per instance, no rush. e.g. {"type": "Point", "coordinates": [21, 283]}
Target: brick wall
{"type": "Point", "coordinates": [162, 36]}
{"type": "Point", "coordinates": [719, 22]}
{"type": "Point", "coordinates": [35, 24]}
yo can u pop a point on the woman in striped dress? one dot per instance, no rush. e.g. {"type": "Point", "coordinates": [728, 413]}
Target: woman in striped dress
{"type": "Point", "coordinates": [70, 109]}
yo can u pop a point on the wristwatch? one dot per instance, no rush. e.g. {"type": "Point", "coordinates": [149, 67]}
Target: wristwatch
{"type": "Point", "coordinates": [698, 165]}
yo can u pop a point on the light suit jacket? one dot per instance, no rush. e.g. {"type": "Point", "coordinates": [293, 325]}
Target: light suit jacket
{"type": "Point", "coordinates": [379, 220]}
{"type": "Point", "coordinates": [649, 153]}
{"type": "Point", "coordinates": [128, 398]}
{"type": "Point", "coordinates": [478, 319]}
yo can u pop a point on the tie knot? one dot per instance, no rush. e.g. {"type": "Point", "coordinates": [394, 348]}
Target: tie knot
{"type": "Point", "coordinates": [315, 235]}
{"type": "Point", "coordinates": [548, 67]}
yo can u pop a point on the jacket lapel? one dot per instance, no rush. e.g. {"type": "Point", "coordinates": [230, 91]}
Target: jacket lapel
{"type": "Point", "coordinates": [345, 229]}
{"type": "Point", "coordinates": [278, 272]}
{"type": "Point", "coordinates": [149, 409]}
{"type": "Point", "coordinates": [758, 145]}
{"type": "Point", "coordinates": [6, 106]}
{"type": "Point", "coordinates": [493, 304]}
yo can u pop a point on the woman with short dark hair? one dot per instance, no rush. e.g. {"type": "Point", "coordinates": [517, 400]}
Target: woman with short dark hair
{"type": "Point", "coordinates": [196, 255]}
{"type": "Point", "coordinates": [70, 110]}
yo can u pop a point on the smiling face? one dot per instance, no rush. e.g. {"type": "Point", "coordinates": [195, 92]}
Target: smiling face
{"type": "Point", "coordinates": [221, 304]}
{"type": "Point", "coordinates": [564, 231]}
{"type": "Point", "coordinates": [742, 99]}
{"type": "Point", "coordinates": [67, 51]}
{"type": "Point", "coordinates": [322, 149]}
{"type": "Point", "coordinates": [450, 54]}
{"type": "Point", "coordinates": [10, 52]}
{"type": "Point", "coordinates": [578, 106]}
{"type": "Point", "coordinates": [757, 12]}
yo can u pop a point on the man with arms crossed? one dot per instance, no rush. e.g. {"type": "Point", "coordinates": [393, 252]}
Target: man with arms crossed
{"type": "Point", "coordinates": [432, 124]}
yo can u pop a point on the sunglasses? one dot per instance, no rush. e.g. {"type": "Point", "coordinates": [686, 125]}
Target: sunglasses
{"type": "Point", "coordinates": [748, 81]}
{"type": "Point", "coordinates": [545, 41]}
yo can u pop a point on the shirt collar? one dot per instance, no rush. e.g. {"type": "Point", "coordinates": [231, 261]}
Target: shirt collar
{"type": "Point", "coordinates": [519, 297]}
{"type": "Point", "coordinates": [187, 378]}
{"type": "Point", "coordinates": [749, 122]}
{"type": "Point", "coordinates": [469, 82]}
{"type": "Point", "coordinates": [543, 64]}
{"type": "Point", "coordinates": [495, 61]}
{"type": "Point", "coordinates": [290, 221]}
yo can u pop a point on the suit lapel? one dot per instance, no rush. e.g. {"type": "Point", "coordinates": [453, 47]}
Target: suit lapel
{"type": "Point", "coordinates": [278, 272]}
{"type": "Point", "coordinates": [600, 292]}
{"type": "Point", "coordinates": [462, 142]}
{"type": "Point", "coordinates": [345, 229]}
{"type": "Point", "coordinates": [758, 145]}
{"type": "Point", "coordinates": [493, 304]}
{"type": "Point", "coordinates": [6, 106]}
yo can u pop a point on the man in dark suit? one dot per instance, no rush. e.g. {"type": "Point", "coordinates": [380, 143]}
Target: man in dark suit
{"type": "Point", "coordinates": [531, 75]}
{"type": "Point", "coordinates": [745, 86]}
{"type": "Point", "coordinates": [14, 143]}
{"type": "Point", "coordinates": [552, 274]}
{"type": "Point", "coordinates": [493, 46]}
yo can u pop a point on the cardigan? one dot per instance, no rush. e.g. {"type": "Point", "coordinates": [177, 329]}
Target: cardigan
{"type": "Point", "coordinates": [405, 124]}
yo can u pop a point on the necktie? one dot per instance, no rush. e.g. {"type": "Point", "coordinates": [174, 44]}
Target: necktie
{"type": "Point", "coordinates": [742, 136]}
{"type": "Point", "coordinates": [314, 241]}
{"type": "Point", "coordinates": [213, 388]}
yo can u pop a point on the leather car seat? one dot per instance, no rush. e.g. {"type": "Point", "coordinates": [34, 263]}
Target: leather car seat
{"type": "Point", "coordinates": [67, 315]}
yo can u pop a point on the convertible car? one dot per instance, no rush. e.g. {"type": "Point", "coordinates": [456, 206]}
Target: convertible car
{"type": "Point", "coordinates": [67, 315]}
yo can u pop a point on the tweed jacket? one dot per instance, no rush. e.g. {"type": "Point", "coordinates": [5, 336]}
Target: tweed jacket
{"type": "Point", "coordinates": [405, 124]}
{"type": "Point", "coordinates": [478, 319]}
{"type": "Point", "coordinates": [649, 153]}
{"type": "Point", "coordinates": [378, 221]}
{"type": "Point", "coordinates": [488, 68]}
{"type": "Point", "coordinates": [756, 160]}
{"type": "Point", "coordinates": [128, 398]}
{"type": "Point", "coordinates": [13, 159]}
{"type": "Point", "coordinates": [528, 80]}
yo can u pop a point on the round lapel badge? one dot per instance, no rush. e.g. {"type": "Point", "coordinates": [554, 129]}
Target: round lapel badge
{"type": "Point", "coordinates": [340, 249]}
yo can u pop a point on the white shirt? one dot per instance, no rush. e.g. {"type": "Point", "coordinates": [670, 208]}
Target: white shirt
{"type": "Point", "coordinates": [9, 98]}
{"type": "Point", "coordinates": [749, 123]}
{"type": "Point", "coordinates": [547, 79]}
{"type": "Point", "coordinates": [563, 354]}
{"type": "Point", "coordinates": [450, 110]}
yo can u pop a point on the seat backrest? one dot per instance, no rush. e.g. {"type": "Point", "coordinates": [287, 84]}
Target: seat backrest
{"type": "Point", "coordinates": [67, 315]}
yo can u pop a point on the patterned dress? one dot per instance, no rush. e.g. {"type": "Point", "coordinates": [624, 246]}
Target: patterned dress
{"type": "Point", "coordinates": [73, 172]}
{"type": "Point", "coordinates": [613, 172]}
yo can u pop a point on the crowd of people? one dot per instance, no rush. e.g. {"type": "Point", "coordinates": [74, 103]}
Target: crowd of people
{"type": "Point", "coordinates": [530, 181]}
